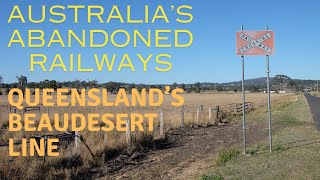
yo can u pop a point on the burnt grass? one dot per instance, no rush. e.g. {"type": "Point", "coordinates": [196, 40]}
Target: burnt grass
{"type": "Point", "coordinates": [157, 158]}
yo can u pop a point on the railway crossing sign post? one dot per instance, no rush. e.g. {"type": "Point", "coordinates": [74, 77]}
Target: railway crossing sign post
{"type": "Point", "coordinates": [250, 43]}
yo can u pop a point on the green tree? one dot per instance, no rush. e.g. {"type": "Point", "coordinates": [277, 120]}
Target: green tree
{"type": "Point", "coordinates": [174, 85]}
{"type": "Point", "coordinates": [52, 84]}
{"type": "Point", "coordinates": [130, 87]}
{"type": "Point", "coordinates": [183, 86]}
{"type": "Point", "coordinates": [235, 89]}
{"type": "Point", "coordinates": [197, 87]}
{"type": "Point", "coordinates": [113, 87]}
{"type": "Point", "coordinates": [22, 82]}
{"type": "Point", "coordinates": [93, 84]}
{"type": "Point", "coordinates": [139, 87]}
{"type": "Point", "coordinates": [280, 81]}
{"type": "Point", "coordinates": [253, 88]}
{"type": "Point", "coordinates": [292, 85]}
{"type": "Point", "coordinates": [32, 85]}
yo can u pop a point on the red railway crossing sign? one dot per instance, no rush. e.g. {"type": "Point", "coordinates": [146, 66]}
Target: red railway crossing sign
{"type": "Point", "coordinates": [255, 43]}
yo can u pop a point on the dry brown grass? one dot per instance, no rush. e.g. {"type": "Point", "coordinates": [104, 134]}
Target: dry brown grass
{"type": "Point", "coordinates": [201, 99]}
{"type": "Point", "coordinates": [316, 94]}
{"type": "Point", "coordinates": [105, 145]}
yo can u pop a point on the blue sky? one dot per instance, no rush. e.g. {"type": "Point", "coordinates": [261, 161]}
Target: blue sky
{"type": "Point", "coordinates": [212, 56]}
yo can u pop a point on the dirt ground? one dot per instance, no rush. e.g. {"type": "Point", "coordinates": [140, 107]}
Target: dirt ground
{"type": "Point", "coordinates": [182, 156]}
{"type": "Point", "coordinates": [185, 152]}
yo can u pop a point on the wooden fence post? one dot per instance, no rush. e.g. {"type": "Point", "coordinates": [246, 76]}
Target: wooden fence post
{"type": "Point", "coordinates": [76, 142]}
{"type": "Point", "coordinates": [198, 116]}
{"type": "Point", "coordinates": [210, 115]}
{"type": "Point", "coordinates": [48, 111]}
{"type": "Point", "coordinates": [161, 124]}
{"type": "Point", "coordinates": [128, 132]}
{"type": "Point", "coordinates": [182, 117]}
{"type": "Point", "coordinates": [76, 137]}
{"type": "Point", "coordinates": [216, 118]}
{"type": "Point", "coordinates": [45, 149]}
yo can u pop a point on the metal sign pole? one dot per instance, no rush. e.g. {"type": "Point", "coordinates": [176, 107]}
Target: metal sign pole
{"type": "Point", "coordinates": [243, 111]}
{"type": "Point", "coordinates": [269, 104]}
{"type": "Point", "coordinates": [269, 101]}
{"type": "Point", "coordinates": [243, 108]}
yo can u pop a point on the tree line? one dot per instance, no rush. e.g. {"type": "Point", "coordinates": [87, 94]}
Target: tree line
{"type": "Point", "coordinates": [278, 83]}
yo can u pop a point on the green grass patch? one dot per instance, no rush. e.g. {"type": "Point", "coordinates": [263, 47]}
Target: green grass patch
{"type": "Point", "coordinates": [296, 147]}
{"type": "Point", "coordinates": [279, 147]}
{"type": "Point", "coordinates": [288, 119]}
{"type": "Point", "coordinates": [256, 149]}
{"type": "Point", "coordinates": [226, 156]}
{"type": "Point", "coordinates": [282, 105]}
{"type": "Point", "coordinates": [216, 177]}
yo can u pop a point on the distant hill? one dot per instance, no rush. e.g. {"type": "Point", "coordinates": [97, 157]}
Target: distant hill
{"type": "Point", "coordinates": [256, 81]}
{"type": "Point", "coordinates": [278, 83]}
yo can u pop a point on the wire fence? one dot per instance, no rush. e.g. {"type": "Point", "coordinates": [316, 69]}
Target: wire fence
{"type": "Point", "coordinates": [193, 116]}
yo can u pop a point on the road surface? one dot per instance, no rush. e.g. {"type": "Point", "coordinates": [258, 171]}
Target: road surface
{"type": "Point", "coordinates": [314, 104]}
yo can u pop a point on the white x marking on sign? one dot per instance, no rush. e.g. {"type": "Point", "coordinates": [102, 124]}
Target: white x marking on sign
{"type": "Point", "coordinates": [255, 43]}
